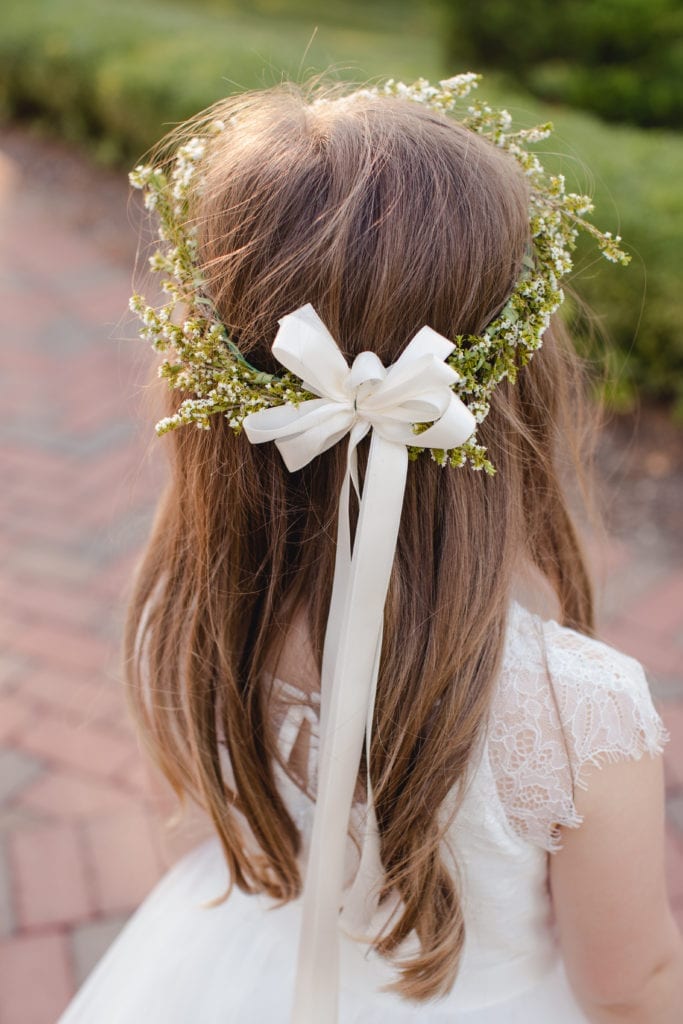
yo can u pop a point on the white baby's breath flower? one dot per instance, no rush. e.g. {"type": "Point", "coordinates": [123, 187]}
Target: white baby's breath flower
{"type": "Point", "coordinates": [140, 176]}
{"type": "Point", "coordinates": [461, 85]}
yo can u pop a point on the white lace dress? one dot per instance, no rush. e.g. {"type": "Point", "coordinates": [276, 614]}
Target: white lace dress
{"type": "Point", "coordinates": [563, 702]}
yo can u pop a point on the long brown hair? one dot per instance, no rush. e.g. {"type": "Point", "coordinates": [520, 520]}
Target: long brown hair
{"type": "Point", "coordinates": [385, 216]}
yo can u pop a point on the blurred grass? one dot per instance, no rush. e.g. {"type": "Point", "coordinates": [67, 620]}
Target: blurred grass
{"type": "Point", "coordinates": [634, 177]}
{"type": "Point", "coordinates": [114, 74]}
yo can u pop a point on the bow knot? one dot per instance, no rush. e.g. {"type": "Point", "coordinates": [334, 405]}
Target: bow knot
{"type": "Point", "coordinates": [365, 375]}
{"type": "Point", "coordinates": [417, 388]}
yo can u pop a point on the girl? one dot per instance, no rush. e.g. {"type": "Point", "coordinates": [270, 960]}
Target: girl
{"type": "Point", "coordinates": [493, 852]}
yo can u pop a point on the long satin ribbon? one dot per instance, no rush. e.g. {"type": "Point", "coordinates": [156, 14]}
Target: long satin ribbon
{"type": "Point", "coordinates": [416, 388]}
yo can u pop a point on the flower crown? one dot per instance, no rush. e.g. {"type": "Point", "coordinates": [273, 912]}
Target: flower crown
{"type": "Point", "coordinates": [204, 361]}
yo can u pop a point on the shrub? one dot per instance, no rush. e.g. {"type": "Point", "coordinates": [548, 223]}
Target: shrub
{"type": "Point", "coordinates": [115, 81]}
{"type": "Point", "coordinates": [622, 59]}
{"type": "Point", "coordinates": [114, 74]}
{"type": "Point", "coordinates": [636, 185]}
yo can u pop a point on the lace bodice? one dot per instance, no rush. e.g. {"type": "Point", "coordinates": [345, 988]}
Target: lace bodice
{"type": "Point", "coordinates": [563, 701]}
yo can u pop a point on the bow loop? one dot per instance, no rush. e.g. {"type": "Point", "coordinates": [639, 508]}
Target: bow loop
{"type": "Point", "coordinates": [366, 369]}
{"type": "Point", "coordinates": [305, 347]}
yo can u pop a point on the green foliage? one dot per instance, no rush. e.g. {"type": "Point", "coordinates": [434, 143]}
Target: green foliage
{"type": "Point", "coordinates": [639, 310]}
{"type": "Point", "coordinates": [114, 74]}
{"type": "Point", "coordinates": [622, 59]}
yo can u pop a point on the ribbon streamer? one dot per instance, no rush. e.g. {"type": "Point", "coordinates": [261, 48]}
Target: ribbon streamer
{"type": "Point", "coordinates": [414, 389]}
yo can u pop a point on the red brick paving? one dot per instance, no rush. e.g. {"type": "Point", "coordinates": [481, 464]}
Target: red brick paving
{"type": "Point", "coordinates": [62, 795]}
{"type": "Point", "coordinates": [35, 976]}
{"type": "Point", "coordinates": [673, 717]}
{"type": "Point", "coordinates": [77, 495]}
{"type": "Point", "coordinates": [127, 838]}
{"type": "Point", "coordinates": [42, 898]}
{"type": "Point", "coordinates": [79, 831]}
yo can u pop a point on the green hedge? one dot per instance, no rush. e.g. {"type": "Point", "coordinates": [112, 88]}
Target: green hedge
{"type": "Point", "coordinates": [635, 181]}
{"type": "Point", "coordinates": [621, 59]}
{"type": "Point", "coordinates": [115, 74]}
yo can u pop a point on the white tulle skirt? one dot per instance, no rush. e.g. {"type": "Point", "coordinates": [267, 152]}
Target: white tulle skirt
{"type": "Point", "coordinates": [178, 962]}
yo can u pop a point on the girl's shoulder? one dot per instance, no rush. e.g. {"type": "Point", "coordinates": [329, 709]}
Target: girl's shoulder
{"type": "Point", "coordinates": [563, 701]}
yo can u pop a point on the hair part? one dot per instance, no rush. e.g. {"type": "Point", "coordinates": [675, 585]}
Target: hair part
{"type": "Point", "coordinates": [385, 216]}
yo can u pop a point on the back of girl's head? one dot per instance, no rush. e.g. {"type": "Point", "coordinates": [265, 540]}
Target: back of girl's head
{"type": "Point", "coordinates": [386, 216]}
{"type": "Point", "coordinates": [380, 213]}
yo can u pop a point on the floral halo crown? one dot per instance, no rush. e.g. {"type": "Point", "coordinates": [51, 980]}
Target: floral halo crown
{"type": "Point", "coordinates": [204, 361]}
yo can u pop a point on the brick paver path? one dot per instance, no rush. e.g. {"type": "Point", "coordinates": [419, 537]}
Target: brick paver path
{"type": "Point", "coordinates": [80, 839]}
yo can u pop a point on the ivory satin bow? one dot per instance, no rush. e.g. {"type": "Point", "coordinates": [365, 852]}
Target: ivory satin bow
{"type": "Point", "coordinates": [414, 389]}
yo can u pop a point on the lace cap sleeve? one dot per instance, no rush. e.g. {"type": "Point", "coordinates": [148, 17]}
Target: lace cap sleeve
{"type": "Point", "coordinates": [564, 702]}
